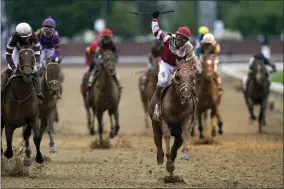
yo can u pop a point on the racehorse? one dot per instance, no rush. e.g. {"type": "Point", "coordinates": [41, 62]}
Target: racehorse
{"type": "Point", "coordinates": [209, 96]}
{"type": "Point", "coordinates": [177, 112]}
{"type": "Point", "coordinates": [105, 94]}
{"type": "Point", "coordinates": [50, 86]}
{"type": "Point", "coordinates": [147, 85]}
{"type": "Point", "coordinates": [20, 104]}
{"type": "Point", "coordinates": [257, 92]}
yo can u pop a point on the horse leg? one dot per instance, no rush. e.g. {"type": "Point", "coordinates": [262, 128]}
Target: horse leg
{"type": "Point", "coordinates": [112, 132]}
{"type": "Point", "coordinates": [37, 137]}
{"type": "Point", "coordinates": [213, 121]}
{"type": "Point", "coordinates": [56, 115]}
{"type": "Point", "coordinates": [9, 131]}
{"type": "Point", "coordinates": [261, 117]}
{"type": "Point", "coordinates": [117, 126]}
{"type": "Point", "coordinates": [200, 126]}
{"type": "Point", "coordinates": [250, 108]}
{"type": "Point", "coordinates": [26, 135]}
{"type": "Point", "coordinates": [50, 129]}
{"type": "Point", "coordinates": [177, 144]}
{"type": "Point", "coordinates": [90, 121]}
{"type": "Point", "coordinates": [158, 141]}
{"type": "Point", "coordinates": [220, 121]}
{"type": "Point", "coordinates": [2, 127]}
{"type": "Point", "coordinates": [167, 136]}
{"type": "Point", "coordinates": [100, 122]}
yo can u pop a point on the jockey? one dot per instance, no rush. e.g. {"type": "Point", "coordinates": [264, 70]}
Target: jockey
{"type": "Point", "coordinates": [201, 32]}
{"type": "Point", "coordinates": [176, 47]}
{"type": "Point", "coordinates": [24, 37]}
{"type": "Point", "coordinates": [209, 46]}
{"type": "Point", "coordinates": [106, 43]}
{"type": "Point", "coordinates": [155, 53]}
{"type": "Point", "coordinates": [49, 40]}
{"type": "Point", "coordinates": [258, 57]}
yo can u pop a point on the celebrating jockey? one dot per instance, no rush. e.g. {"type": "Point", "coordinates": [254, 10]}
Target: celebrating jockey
{"type": "Point", "coordinates": [24, 37]}
{"type": "Point", "coordinates": [155, 53]}
{"type": "Point", "coordinates": [201, 32]}
{"type": "Point", "coordinates": [106, 43]}
{"type": "Point", "coordinates": [49, 40]}
{"type": "Point", "coordinates": [209, 46]}
{"type": "Point", "coordinates": [176, 47]}
{"type": "Point", "coordinates": [258, 57]}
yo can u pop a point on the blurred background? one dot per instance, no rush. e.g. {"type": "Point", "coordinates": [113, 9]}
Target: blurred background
{"type": "Point", "coordinates": [240, 26]}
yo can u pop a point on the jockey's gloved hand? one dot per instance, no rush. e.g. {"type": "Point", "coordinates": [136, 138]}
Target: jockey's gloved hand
{"type": "Point", "coordinates": [155, 14]}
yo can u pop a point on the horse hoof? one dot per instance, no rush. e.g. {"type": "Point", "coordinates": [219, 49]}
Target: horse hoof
{"type": "Point", "coordinates": [27, 162]}
{"type": "Point", "coordinates": [192, 133]}
{"type": "Point", "coordinates": [52, 149]}
{"type": "Point", "coordinates": [39, 158]}
{"type": "Point", "coordinates": [111, 135]}
{"type": "Point", "coordinates": [213, 133]}
{"type": "Point", "coordinates": [220, 132]}
{"type": "Point", "coordinates": [170, 168]}
{"type": "Point", "coordinates": [92, 132]}
{"type": "Point", "coordinates": [8, 154]}
{"type": "Point", "coordinates": [201, 136]}
{"type": "Point", "coordinates": [185, 156]}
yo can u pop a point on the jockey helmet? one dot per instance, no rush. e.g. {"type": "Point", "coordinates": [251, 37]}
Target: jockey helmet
{"type": "Point", "coordinates": [106, 32]}
{"type": "Point", "coordinates": [184, 31]}
{"type": "Point", "coordinates": [24, 29]}
{"type": "Point", "coordinates": [203, 30]}
{"type": "Point", "coordinates": [208, 38]}
{"type": "Point", "coordinates": [49, 22]}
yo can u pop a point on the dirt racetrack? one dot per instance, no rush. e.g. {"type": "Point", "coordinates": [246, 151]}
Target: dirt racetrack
{"type": "Point", "coordinates": [239, 158]}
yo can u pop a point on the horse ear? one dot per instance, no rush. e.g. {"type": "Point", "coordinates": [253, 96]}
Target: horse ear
{"type": "Point", "coordinates": [60, 59]}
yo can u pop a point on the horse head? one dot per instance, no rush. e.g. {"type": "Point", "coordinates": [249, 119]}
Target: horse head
{"type": "Point", "coordinates": [26, 62]}
{"type": "Point", "coordinates": [108, 61]}
{"type": "Point", "coordinates": [184, 80]}
{"type": "Point", "coordinates": [258, 71]}
{"type": "Point", "coordinates": [208, 65]}
{"type": "Point", "coordinates": [52, 74]}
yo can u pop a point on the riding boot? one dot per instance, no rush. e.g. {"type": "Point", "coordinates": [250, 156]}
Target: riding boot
{"type": "Point", "coordinates": [117, 82]}
{"type": "Point", "coordinates": [157, 112]}
{"type": "Point", "coordinates": [5, 77]}
{"type": "Point", "coordinates": [38, 87]}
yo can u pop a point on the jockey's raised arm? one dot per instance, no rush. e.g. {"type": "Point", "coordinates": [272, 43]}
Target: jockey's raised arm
{"type": "Point", "coordinates": [158, 33]}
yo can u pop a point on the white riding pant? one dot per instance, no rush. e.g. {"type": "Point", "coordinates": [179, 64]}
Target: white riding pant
{"type": "Point", "coordinates": [15, 57]}
{"type": "Point", "coordinates": [45, 53]}
{"type": "Point", "coordinates": [165, 71]}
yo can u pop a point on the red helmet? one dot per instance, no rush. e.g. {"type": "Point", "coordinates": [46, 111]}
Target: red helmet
{"type": "Point", "coordinates": [184, 31]}
{"type": "Point", "coordinates": [106, 32]}
{"type": "Point", "coordinates": [94, 45]}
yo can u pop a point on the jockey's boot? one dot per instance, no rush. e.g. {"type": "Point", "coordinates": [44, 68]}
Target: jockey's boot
{"type": "Point", "coordinates": [5, 77]}
{"type": "Point", "coordinates": [156, 115]}
{"type": "Point", "coordinates": [117, 82]}
{"type": "Point", "coordinates": [38, 86]}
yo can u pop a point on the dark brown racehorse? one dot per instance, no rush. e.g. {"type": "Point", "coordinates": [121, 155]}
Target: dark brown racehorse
{"type": "Point", "coordinates": [20, 105]}
{"type": "Point", "coordinates": [105, 94]}
{"type": "Point", "coordinates": [147, 85]}
{"type": "Point", "coordinates": [178, 108]}
{"type": "Point", "coordinates": [209, 96]}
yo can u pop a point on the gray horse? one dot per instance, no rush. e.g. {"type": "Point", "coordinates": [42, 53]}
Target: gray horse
{"type": "Point", "coordinates": [20, 105]}
{"type": "Point", "coordinates": [257, 91]}
{"type": "Point", "coordinates": [50, 86]}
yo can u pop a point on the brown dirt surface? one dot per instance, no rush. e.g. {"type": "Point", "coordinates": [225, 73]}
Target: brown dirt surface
{"type": "Point", "coordinates": [240, 158]}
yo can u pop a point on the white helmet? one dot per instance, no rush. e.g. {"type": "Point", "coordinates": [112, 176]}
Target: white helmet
{"type": "Point", "coordinates": [24, 29]}
{"type": "Point", "coordinates": [208, 38]}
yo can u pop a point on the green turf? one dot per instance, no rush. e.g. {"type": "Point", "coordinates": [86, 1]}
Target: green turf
{"type": "Point", "coordinates": [277, 77]}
